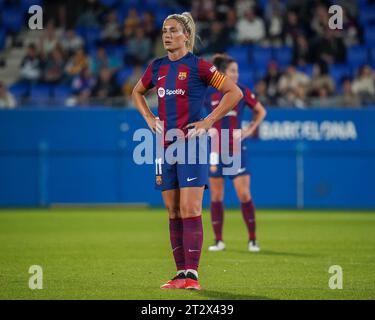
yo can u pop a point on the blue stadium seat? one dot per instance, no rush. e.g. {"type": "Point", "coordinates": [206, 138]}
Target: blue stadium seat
{"type": "Point", "coordinates": [369, 35]}
{"type": "Point", "coordinates": [61, 92]}
{"type": "Point", "coordinates": [19, 89]}
{"type": "Point", "coordinates": [2, 39]}
{"type": "Point", "coordinates": [26, 4]}
{"type": "Point", "coordinates": [246, 78]}
{"type": "Point", "coordinates": [40, 92]}
{"type": "Point", "coordinates": [92, 35]}
{"type": "Point", "coordinates": [109, 3]}
{"type": "Point", "coordinates": [339, 71]}
{"type": "Point", "coordinates": [261, 55]}
{"type": "Point", "coordinates": [372, 55]}
{"type": "Point", "coordinates": [283, 55]}
{"type": "Point", "coordinates": [357, 55]}
{"type": "Point", "coordinates": [240, 54]}
{"type": "Point", "coordinates": [367, 16]}
{"type": "Point", "coordinates": [123, 75]}
{"type": "Point", "coordinates": [260, 72]}
{"type": "Point", "coordinates": [13, 19]}
{"type": "Point", "coordinates": [307, 69]}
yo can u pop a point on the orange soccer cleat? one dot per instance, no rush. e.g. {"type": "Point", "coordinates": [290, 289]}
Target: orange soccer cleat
{"type": "Point", "coordinates": [192, 282]}
{"type": "Point", "coordinates": [178, 282]}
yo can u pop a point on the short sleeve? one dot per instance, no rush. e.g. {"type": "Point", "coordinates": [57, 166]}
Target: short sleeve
{"type": "Point", "coordinates": [250, 98]}
{"type": "Point", "coordinates": [147, 77]}
{"type": "Point", "coordinates": [209, 74]}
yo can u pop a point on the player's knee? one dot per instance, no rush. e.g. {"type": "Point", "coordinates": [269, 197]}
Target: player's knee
{"type": "Point", "coordinates": [244, 196]}
{"type": "Point", "coordinates": [217, 197]}
{"type": "Point", "coordinates": [173, 211]}
{"type": "Point", "coordinates": [189, 210]}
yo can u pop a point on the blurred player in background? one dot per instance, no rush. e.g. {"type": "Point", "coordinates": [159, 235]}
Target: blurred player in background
{"type": "Point", "coordinates": [181, 80]}
{"type": "Point", "coordinates": [241, 180]}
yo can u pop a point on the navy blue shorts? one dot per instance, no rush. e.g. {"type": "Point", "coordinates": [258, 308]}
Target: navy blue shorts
{"type": "Point", "coordinates": [183, 174]}
{"type": "Point", "coordinates": [217, 166]}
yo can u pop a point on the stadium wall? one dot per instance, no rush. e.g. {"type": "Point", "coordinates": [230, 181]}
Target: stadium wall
{"type": "Point", "coordinates": [301, 159]}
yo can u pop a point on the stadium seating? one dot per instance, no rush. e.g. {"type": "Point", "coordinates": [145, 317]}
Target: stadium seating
{"type": "Point", "coordinates": [357, 56]}
{"type": "Point", "coordinates": [19, 89]}
{"type": "Point", "coordinates": [283, 55]}
{"type": "Point", "coordinates": [26, 4]}
{"type": "Point", "coordinates": [339, 71]}
{"type": "Point", "coordinates": [240, 54]}
{"type": "Point", "coordinates": [122, 75]}
{"type": "Point", "coordinates": [13, 19]}
{"type": "Point", "coordinates": [246, 78]}
{"type": "Point", "coordinates": [261, 55]}
{"type": "Point", "coordinates": [369, 35]}
{"type": "Point", "coordinates": [40, 92]}
{"type": "Point", "coordinates": [2, 39]}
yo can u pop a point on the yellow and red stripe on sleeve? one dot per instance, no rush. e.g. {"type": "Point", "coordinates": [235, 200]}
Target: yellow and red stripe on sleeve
{"type": "Point", "coordinates": [217, 80]}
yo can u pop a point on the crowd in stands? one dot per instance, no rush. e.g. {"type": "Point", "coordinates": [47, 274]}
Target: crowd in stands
{"type": "Point", "coordinates": [286, 52]}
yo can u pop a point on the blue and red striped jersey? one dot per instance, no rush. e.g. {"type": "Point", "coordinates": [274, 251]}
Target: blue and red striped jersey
{"type": "Point", "coordinates": [181, 87]}
{"type": "Point", "coordinates": [232, 120]}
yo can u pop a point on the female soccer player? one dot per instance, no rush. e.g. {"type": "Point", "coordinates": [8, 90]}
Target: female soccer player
{"type": "Point", "coordinates": [241, 180]}
{"type": "Point", "coordinates": [181, 79]}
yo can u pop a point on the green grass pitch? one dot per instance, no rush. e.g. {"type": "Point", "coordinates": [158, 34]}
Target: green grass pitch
{"type": "Point", "coordinates": [125, 254]}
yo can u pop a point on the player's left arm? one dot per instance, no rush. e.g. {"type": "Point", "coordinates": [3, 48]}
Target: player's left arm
{"type": "Point", "coordinates": [258, 110]}
{"type": "Point", "coordinates": [232, 94]}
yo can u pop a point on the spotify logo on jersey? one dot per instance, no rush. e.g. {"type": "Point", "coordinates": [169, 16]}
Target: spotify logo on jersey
{"type": "Point", "coordinates": [162, 92]}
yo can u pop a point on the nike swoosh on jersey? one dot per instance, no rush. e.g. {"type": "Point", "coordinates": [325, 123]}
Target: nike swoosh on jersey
{"type": "Point", "coordinates": [193, 250]}
{"type": "Point", "coordinates": [161, 77]}
{"type": "Point", "coordinates": [191, 179]}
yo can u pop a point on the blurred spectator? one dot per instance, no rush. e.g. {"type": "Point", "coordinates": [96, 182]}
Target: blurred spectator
{"type": "Point", "coordinates": [82, 86]}
{"type": "Point", "coordinates": [244, 5]}
{"type": "Point", "coordinates": [55, 66]}
{"type": "Point", "coordinates": [292, 28]}
{"type": "Point", "coordinates": [291, 79]}
{"type": "Point", "coordinates": [31, 65]}
{"type": "Point", "coordinates": [7, 100]}
{"type": "Point", "coordinates": [88, 18]}
{"type": "Point", "coordinates": [48, 40]}
{"type": "Point", "coordinates": [348, 98]}
{"type": "Point", "coordinates": [230, 26]}
{"type": "Point", "coordinates": [330, 48]}
{"type": "Point", "coordinates": [149, 26]}
{"type": "Point", "coordinates": [301, 51]}
{"type": "Point", "coordinates": [71, 42]}
{"type": "Point", "coordinates": [111, 33]}
{"type": "Point", "coordinates": [294, 97]}
{"type": "Point", "coordinates": [129, 84]}
{"type": "Point", "coordinates": [350, 32]}
{"type": "Point", "coordinates": [320, 20]}
{"type": "Point", "coordinates": [106, 86]}
{"type": "Point", "coordinates": [274, 13]}
{"type": "Point", "coordinates": [102, 60]}
{"type": "Point", "coordinates": [77, 63]}
{"type": "Point", "coordinates": [261, 93]}
{"type": "Point", "coordinates": [323, 99]}
{"type": "Point", "coordinates": [364, 84]}
{"type": "Point", "coordinates": [272, 79]}
{"type": "Point", "coordinates": [250, 28]}
{"type": "Point", "coordinates": [139, 48]}
{"type": "Point", "coordinates": [320, 79]}
{"type": "Point", "coordinates": [131, 23]}
{"type": "Point", "coordinates": [217, 40]}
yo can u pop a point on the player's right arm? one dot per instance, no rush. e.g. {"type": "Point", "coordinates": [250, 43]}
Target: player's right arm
{"type": "Point", "coordinates": [138, 97]}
